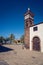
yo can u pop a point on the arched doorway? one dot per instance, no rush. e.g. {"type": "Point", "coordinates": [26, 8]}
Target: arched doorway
{"type": "Point", "coordinates": [36, 43]}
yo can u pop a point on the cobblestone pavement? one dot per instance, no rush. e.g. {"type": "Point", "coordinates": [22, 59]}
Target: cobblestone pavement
{"type": "Point", "coordinates": [3, 63]}
{"type": "Point", "coordinates": [19, 56]}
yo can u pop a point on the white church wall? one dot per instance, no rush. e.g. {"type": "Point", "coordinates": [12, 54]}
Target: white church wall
{"type": "Point", "coordinates": [38, 33]}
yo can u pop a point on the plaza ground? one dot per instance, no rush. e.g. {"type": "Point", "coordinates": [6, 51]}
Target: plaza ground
{"type": "Point", "coordinates": [15, 55]}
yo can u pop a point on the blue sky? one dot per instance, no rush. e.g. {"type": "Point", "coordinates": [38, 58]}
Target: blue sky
{"type": "Point", "coordinates": [12, 15]}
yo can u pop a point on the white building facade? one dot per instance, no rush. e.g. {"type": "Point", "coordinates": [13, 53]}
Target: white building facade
{"type": "Point", "coordinates": [36, 37]}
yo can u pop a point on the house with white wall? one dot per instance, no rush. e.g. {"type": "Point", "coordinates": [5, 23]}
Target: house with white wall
{"type": "Point", "coordinates": [36, 37]}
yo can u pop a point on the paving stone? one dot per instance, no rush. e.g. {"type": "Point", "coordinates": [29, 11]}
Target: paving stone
{"type": "Point", "coordinates": [3, 63]}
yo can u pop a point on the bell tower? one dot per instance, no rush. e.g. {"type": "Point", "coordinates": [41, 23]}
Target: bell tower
{"type": "Point", "coordinates": [28, 20]}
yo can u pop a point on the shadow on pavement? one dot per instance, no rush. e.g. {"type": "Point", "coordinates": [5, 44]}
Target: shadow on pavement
{"type": "Point", "coordinates": [5, 49]}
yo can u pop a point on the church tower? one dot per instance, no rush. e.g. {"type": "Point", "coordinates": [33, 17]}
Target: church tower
{"type": "Point", "coordinates": [28, 20]}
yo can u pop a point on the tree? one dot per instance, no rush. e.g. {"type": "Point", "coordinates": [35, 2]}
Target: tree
{"type": "Point", "coordinates": [1, 39]}
{"type": "Point", "coordinates": [12, 37]}
{"type": "Point", "coordinates": [22, 39]}
{"type": "Point", "coordinates": [5, 40]}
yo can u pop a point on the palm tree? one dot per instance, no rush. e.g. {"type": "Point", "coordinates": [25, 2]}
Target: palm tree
{"type": "Point", "coordinates": [22, 39]}
{"type": "Point", "coordinates": [12, 37]}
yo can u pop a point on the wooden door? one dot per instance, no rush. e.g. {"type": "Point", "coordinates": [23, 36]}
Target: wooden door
{"type": "Point", "coordinates": [36, 44]}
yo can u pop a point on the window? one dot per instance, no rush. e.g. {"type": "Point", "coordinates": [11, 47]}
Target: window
{"type": "Point", "coordinates": [35, 28]}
